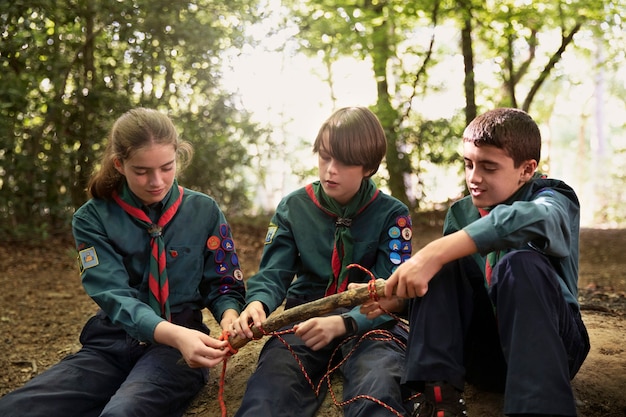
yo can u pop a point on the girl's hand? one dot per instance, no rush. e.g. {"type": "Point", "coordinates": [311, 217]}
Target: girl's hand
{"type": "Point", "coordinates": [199, 350]}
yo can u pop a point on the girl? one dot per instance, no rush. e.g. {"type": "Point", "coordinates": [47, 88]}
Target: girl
{"type": "Point", "coordinates": [152, 255]}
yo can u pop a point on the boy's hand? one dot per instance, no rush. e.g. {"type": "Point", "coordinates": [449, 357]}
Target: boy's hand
{"type": "Point", "coordinates": [320, 331]}
{"type": "Point", "coordinates": [254, 313]}
{"type": "Point", "coordinates": [411, 278]}
{"type": "Point", "coordinates": [376, 308]}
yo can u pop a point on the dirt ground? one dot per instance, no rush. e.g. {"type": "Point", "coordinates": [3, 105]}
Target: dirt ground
{"type": "Point", "coordinates": [43, 307]}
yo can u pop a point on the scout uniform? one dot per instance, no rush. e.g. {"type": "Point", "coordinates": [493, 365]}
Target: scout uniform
{"type": "Point", "coordinates": [118, 345]}
{"type": "Point", "coordinates": [526, 272]}
{"type": "Point", "coordinates": [300, 264]}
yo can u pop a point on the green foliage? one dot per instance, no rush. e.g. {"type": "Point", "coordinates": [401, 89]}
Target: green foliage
{"type": "Point", "coordinates": [68, 68]}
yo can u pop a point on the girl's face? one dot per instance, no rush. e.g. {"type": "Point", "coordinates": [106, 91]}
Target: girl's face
{"type": "Point", "coordinates": [150, 172]}
{"type": "Point", "coordinates": [339, 181]}
{"type": "Point", "coordinates": [491, 176]}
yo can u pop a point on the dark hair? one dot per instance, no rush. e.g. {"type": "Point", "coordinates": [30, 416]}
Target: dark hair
{"type": "Point", "coordinates": [356, 137]}
{"type": "Point", "coordinates": [135, 129]}
{"type": "Point", "coordinates": [506, 128]}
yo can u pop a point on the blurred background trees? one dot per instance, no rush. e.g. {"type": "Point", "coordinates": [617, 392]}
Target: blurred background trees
{"type": "Point", "coordinates": [68, 68]}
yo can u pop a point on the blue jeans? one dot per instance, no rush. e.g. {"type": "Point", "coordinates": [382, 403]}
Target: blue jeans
{"type": "Point", "coordinates": [112, 375]}
{"type": "Point", "coordinates": [278, 386]}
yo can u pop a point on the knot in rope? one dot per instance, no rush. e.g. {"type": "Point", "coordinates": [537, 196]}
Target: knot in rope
{"type": "Point", "coordinates": [224, 336]}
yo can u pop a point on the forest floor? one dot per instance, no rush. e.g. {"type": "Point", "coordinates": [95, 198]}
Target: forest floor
{"type": "Point", "coordinates": [43, 308]}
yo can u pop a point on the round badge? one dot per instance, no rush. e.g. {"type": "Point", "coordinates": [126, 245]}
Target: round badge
{"type": "Point", "coordinates": [402, 221]}
{"type": "Point", "coordinates": [405, 257]}
{"type": "Point", "coordinates": [406, 247]}
{"type": "Point", "coordinates": [395, 245]}
{"type": "Point", "coordinates": [234, 259]}
{"type": "Point", "coordinates": [407, 233]}
{"type": "Point", "coordinates": [395, 258]}
{"type": "Point", "coordinates": [228, 280]}
{"type": "Point", "coordinates": [213, 242]}
{"type": "Point", "coordinates": [228, 244]}
{"type": "Point", "coordinates": [224, 289]}
{"type": "Point", "coordinates": [394, 232]}
{"type": "Point", "coordinates": [238, 274]}
{"type": "Point", "coordinates": [221, 269]}
{"type": "Point", "coordinates": [223, 230]}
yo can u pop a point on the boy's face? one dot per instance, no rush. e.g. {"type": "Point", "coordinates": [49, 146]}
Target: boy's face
{"type": "Point", "coordinates": [339, 181]}
{"type": "Point", "coordinates": [491, 176]}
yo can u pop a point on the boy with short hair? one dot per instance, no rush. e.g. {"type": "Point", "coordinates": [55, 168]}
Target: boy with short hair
{"type": "Point", "coordinates": [315, 233]}
{"type": "Point", "coordinates": [494, 301]}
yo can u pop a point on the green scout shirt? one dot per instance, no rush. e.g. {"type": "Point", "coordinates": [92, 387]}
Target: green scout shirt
{"type": "Point", "coordinates": [544, 215]}
{"type": "Point", "coordinates": [114, 251]}
{"type": "Point", "coordinates": [296, 259]}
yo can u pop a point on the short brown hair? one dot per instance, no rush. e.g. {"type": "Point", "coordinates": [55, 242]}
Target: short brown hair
{"type": "Point", "coordinates": [507, 128]}
{"type": "Point", "coordinates": [356, 137]}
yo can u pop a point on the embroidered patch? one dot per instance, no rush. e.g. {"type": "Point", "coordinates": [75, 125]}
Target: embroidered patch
{"type": "Point", "coordinates": [395, 245]}
{"type": "Point", "coordinates": [402, 221]}
{"type": "Point", "coordinates": [271, 232]}
{"type": "Point", "coordinates": [238, 274]}
{"type": "Point", "coordinates": [221, 269]}
{"type": "Point", "coordinates": [228, 245]}
{"type": "Point", "coordinates": [213, 242]}
{"type": "Point", "coordinates": [88, 258]}
{"type": "Point", "coordinates": [394, 232]}
{"type": "Point", "coordinates": [220, 255]}
{"type": "Point", "coordinates": [407, 233]}
{"type": "Point", "coordinates": [395, 258]}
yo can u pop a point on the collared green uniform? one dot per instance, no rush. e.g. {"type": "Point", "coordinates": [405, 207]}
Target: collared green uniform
{"type": "Point", "coordinates": [198, 276]}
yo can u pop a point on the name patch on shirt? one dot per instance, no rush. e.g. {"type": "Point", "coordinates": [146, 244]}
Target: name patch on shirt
{"type": "Point", "coordinates": [87, 258]}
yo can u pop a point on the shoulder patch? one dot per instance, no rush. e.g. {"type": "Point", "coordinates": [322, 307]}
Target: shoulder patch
{"type": "Point", "coordinates": [271, 232]}
{"type": "Point", "coordinates": [87, 258]}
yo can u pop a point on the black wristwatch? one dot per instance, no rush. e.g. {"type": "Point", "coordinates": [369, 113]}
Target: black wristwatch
{"type": "Point", "coordinates": [350, 324]}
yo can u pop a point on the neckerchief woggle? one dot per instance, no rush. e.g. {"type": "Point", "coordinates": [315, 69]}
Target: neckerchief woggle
{"type": "Point", "coordinates": [158, 284]}
{"type": "Point", "coordinates": [343, 215]}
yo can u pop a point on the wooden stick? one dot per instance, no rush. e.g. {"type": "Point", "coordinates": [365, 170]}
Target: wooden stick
{"type": "Point", "coordinates": [305, 311]}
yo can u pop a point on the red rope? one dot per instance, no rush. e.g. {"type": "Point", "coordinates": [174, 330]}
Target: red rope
{"type": "Point", "coordinates": [220, 392]}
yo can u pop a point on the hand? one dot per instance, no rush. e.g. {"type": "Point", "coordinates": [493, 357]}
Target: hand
{"type": "Point", "coordinates": [320, 331]}
{"type": "Point", "coordinates": [254, 313]}
{"type": "Point", "coordinates": [376, 308]}
{"type": "Point", "coordinates": [228, 318]}
{"type": "Point", "coordinates": [199, 350]}
{"type": "Point", "coordinates": [411, 278]}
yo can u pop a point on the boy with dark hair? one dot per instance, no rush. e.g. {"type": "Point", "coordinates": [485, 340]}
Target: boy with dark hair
{"type": "Point", "coordinates": [494, 301]}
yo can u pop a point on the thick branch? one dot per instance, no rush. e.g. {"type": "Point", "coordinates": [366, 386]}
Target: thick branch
{"type": "Point", "coordinates": [306, 311]}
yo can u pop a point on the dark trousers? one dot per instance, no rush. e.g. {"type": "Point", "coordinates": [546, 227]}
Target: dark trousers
{"type": "Point", "coordinates": [520, 336]}
{"type": "Point", "coordinates": [278, 386]}
{"type": "Point", "coordinates": [112, 375]}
